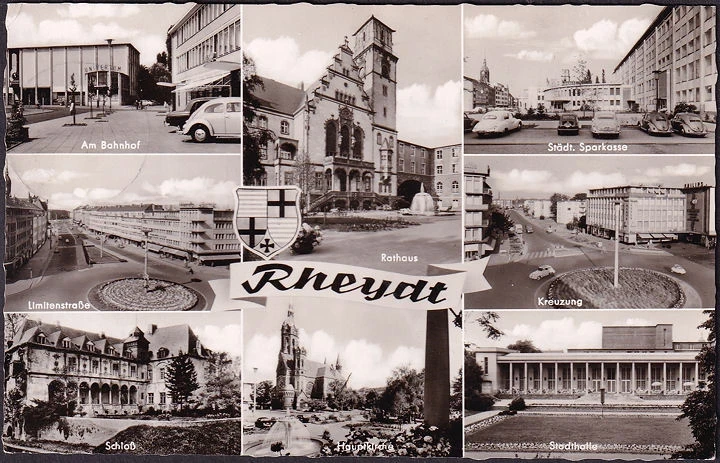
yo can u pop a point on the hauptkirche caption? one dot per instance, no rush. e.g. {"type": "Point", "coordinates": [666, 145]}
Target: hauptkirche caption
{"type": "Point", "coordinates": [587, 147]}
{"type": "Point", "coordinates": [106, 145]}
{"type": "Point", "coordinates": [46, 305]}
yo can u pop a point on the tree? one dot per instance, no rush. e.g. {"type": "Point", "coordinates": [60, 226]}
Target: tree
{"type": "Point", "coordinates": [580, 70]}
{"type": "Point", "coordinates": [603, 76]}
{"type": "Point", "coordinates": [525, 346]}
{"type": "Point", "coordinates": [223, 387]}
{"type": "Point", "coordinates": [588, 78]}
{"type": "Point", "coordinates": [500, 221]}
{"type": "Point", "coordinates": [304, 177]}
{"type": "Point", "coordinates": [486, 321]}
{"type": "Point", "coordinates": [263, 393]}
{"type": "Point", "coordinates": [684, 108]}
{"type": "Point", "coordinates": [403, 396]}
{"type": "Point", "coordinates": [554, 200]}
{"type": "Point", "coordinates": [582, 223]}
{"type": "Point", "coordinates": [13, 324]}
{"type": "Point", "coordinates": [181, 379]}
{"type": "Point", "coordinates": [699, 406]}
{"type": "Point", "coordinates": [254, 138]}
{"type": "Point", "coordinates": [579, 197]}
{"type": "Point", "coordinates": [339, 396]}
{"type": "Point", "coordinates": [531, 111]}
{"type": "Point", "coordinates": [474, 398]}
{"type": "Point", "coordinates": [541, 109]}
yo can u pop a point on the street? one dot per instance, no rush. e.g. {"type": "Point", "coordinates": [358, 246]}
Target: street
{"type": "Point", "coordinates": [513, 289]}
{"type": "Point", "coordinates": [125, 130]}
{"type": "Point", "coordinates": [62, 274]}
{"type": "Point", "coordinates": [535, 136]}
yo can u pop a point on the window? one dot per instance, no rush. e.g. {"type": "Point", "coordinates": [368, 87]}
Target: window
{"type": "Point", "coordinates": [151, 398]}
{"type": "Point", "coordinates": [384, 111]}
{"type": "Point", "coordinates": [357, 148]}
{"type": "Point", "coordinates": [454, 153]}
{"type": "Point", "coordinates": [439, 187]}
{"type": "Point", "coordinates": [41, 338]}
{"type": "Point", "coordinates": [330, 138]}
{"type": "Point", "coordinates": [454, 168]}
{"type": "Point", "coordinates": [288, 178]}
{"type": "Point", "coordinates": [133, 371]}
{"type": "Point", "coordinates": [455, 186]}
{"type": "Point", "coordinates": [233, 108]}
{"type": "Point", "coordinates": [67, 343]}
{"type": "Point", "coordinates": [95, 366]}
{"type": "Point", "coordinates": [284, 127]}
{"type": "Point", "coordinates": [72, 364]}
{"type": "Point", "coordinates": [162, 373]}
{"type": "Point", "coordinates": [385, 90]}
{"type": "Point", "coordinates": [412, 167]}
{"type": "Point", "coordinates": [438, 155]}
{"type": "Point", "coordinates": [262, 122]}
{"type": "Point", "coordinates": [150, 373]}
{"type": "Point", "coordinates": [216, 108]}
{"type": "Point", "coordinates": [438, 170]}
{"type": "Point", "coordinates": [379, 139]}
{"type": "Point", "coordinates": [401, 165]}
{"type": "Point", "coordinates": [162, 398]}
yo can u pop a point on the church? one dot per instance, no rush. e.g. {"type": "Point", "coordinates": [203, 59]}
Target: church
{"type": "Point", "coordinates": [337, 139]}
{"type": "Point", "coordinates": [298, 379]}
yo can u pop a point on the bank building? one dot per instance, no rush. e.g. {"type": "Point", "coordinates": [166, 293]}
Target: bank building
{"type": "Point", "coordinates": [631, 360]}
{"type": "Point", "coordinates": [299, 379]}
{"type": "Point", "coordinates": [107, 375]}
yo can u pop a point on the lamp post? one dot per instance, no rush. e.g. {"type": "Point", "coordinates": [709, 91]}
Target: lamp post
{"type": "Point", "coordinates": [146, 231]}
{"type": "Point", "coordinates": [109, 42]}
{"type": "Point", "coordinates": [254, 405]}
{"type": "Point", "coordinates": [616, 281]}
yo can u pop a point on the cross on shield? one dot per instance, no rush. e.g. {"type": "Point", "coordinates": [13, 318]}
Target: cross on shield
{"type": "Point", "coordinates": [267, 219]}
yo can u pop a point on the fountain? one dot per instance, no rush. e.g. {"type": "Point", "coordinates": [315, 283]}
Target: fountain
{"type": "Point", "coordinates": [422, 203]}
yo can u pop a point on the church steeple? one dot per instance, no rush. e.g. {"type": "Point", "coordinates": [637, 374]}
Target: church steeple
{"type": "Point", "coordinates": [485, 72]}
{"type": "Point", "coordinates": [289, 333]}
{"type": "Point", "coordinates": [338, 365]}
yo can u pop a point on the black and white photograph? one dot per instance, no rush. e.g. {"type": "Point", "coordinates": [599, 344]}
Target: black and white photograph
{"type": "Point", "coordinates": [548, 228]}
{"type": "Point", "coordinates": [123, 78]}
{"type": "Point", "coordinates": [332, 378]}
{"type": "Point", "coordinates": [123, 383]}
{"type": "Point", "coordinates": [614, 385]}
{"type": "Point", "coordinates": [358, 106]}
{"type": "Point", "coordinates": [604, 79]}
{"type": "Point", "coordinates": [118, 232]}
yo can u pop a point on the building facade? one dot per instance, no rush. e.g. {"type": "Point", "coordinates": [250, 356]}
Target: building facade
{"type": "Point", "coordinates": [700, 214]}
{"type": "Point", "coordinates": [299, 379]}
{"type": "Point", "coordinates": [478, 198]}
{"type": "Point", "coordinates": [674, 61]}
{"type": "Point", "coordinates": [105, 375]}
{"type": "Point", "coordinates": [48, 75]}
{"type": "Point", "coordinates": [591, 97]}
{"type": "Point", "coordinates": [645, 213]}
{"type": "Point", "coordinates": [195, 233]}
{"type": "Point", "coordinates": [631, 360]}
{"type": "Point", "coordinates": [567, 211]}
{"type": "Point", "coordinates": [203, 48]}
{"type": "Point", "coordinates": [448, 165]}
{"type": "Point", "coordinates": [538, 208]}
{"type": "Point", "coordinates": [415, 166]}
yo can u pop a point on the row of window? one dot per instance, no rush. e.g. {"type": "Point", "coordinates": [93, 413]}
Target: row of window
{"type": "Point", "coordinates": [455, 187]}
{"type": "Point", "coordinates": [222, 43]}
{"type": "Point", "coordinates": [201, 18]}
{"type": "Point", "coordinates": [163, 398]}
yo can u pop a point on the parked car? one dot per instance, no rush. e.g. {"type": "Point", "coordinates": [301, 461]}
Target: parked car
{"type": "Point", "coordinates": [178, 118]}
{"type": "Point", "coordinates": [656, 123]}
{"type": "Point", "coordinates": [679, 269]}
{"type": "Point", "coordinates": [549, 229]}
{"type": "Point", "coordinates": [568, 124]}
{"type": "Point", "coordinates": [264, 422]}
{"type": "Point", "coordinates": [529, 229]}
{"type": "Point", "coordinates": [688, 124]}
{"type": "Point", "coordinates": [469, 121]}
{"type": "Point", "coordinates": [220, 117]}
{"type": "Point", "coordinates": [542, 272]}
{"type": "Point", "coordinates": [497, 122]}
{"type": "Point", "coordinates": [605, 123]}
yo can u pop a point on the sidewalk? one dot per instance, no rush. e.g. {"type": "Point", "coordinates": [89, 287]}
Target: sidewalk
{"type": "Point", "coordinates": [38, 263]}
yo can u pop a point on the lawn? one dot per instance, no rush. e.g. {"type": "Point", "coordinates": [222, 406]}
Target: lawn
{"type": "Point", "coordinates": [627, 430]}
{"type": "Point", "coordinates": [638, 288]}
{"type": "Point", "coordinates": [358, 223]}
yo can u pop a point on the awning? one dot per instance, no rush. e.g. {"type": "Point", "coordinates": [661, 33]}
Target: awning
{"type": "Point", "coordinates": [657, 236]}
{"type": "Point", "coordinates": [220, 257]}
{"type": "Point", "coordinates": [644, 236]}
{"type": "Point", "coordinates": [204, 80]}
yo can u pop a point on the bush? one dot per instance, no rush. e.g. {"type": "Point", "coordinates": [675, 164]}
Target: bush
{"type": "Point", "coordinates": [479, 402]}
{"type": "Point", "coordinates": [517, 403]}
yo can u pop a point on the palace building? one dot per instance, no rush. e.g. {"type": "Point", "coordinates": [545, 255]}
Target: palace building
{"type": "Point", "coordinates": [298, 379]}
{"type": "Point", "coordinates": [199, 233]}
{"type": "Point", "coordinates": [631, 359]}
{"type": "Point", "coordinates": [60, 74]}
{"type": "Point", "coordinates": [338, 137]}
{"type": "Point", "coordinates": [106, 375]}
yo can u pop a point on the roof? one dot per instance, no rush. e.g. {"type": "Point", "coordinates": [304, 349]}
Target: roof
{"type": "Point", "coordinates": [174, 338]}
{"type": "Point", "coordinates": [278, 96]}
{"type": "Point", "coordinates": [56, 333]}
{"type": "Point", "coordinates": [658, 19]}
{"type": "Point", "coordinates": [371, 18]}
{"type": "Point", "coordinates": [591, 357]}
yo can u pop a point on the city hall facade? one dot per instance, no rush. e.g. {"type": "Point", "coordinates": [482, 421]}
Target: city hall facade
{"type": "Point", "coordinates": [631, 359]}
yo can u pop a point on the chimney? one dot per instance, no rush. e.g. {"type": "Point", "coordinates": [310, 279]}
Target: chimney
{"type": "Point", "coordinates": [152, 328]}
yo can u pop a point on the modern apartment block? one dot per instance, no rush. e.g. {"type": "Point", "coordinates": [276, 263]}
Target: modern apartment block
{"type": "Point", "coordinates": [478, 198]}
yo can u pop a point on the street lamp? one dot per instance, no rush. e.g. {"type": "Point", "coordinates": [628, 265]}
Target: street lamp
{"type": "Point", "coordinates": [254, 407]}
{"type": "Point", "coordinates": [617, 244]}
{"type": "Point", "coordinates": [146, 231]}
{"type": "Point", "coordinates": [109, 42]}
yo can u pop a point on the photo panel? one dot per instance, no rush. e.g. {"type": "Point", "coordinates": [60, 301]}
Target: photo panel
{"type": "Point", "coordinates": [333, 378]}
{"type": "Point", "coordinates": [124, 78]}
{"type": "Point", "coordinates": [122, 383]}
{"type": "Point", "coordinates": [358, 107]}
{"type": "Point", "coordinates": [641, 78]}
{"type": "Point", "coordinates": [581, 385]}
{"type": "Point", "coordinates": [118, 232]}
{"type": "Point", "coordinates": [547, 228]}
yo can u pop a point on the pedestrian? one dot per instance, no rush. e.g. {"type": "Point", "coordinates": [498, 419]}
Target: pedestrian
{"type": "Point", "coordinates": [191, 271]}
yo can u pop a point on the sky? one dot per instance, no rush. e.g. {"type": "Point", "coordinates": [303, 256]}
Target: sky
{"type": "Point", "coordinates": [144, 26]}
{"type": "Point", "coordinates": [565, 329]}
{"type": "Point", "coordinates": [218, 331]}
{"type": "Point", "coordinates": [371, 341]}
{"type": "Point", "coordinates": [69, 181]}
{"type": "Point", "coordinates": [295, 43]}
{"type": "Point", "coordinates": [525, 45]}
{"type": "Point", "coordinates": [539, 177]}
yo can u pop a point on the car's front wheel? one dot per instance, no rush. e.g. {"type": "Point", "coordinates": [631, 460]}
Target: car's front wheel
{"type": "Point", "coordinates": [200, 133]}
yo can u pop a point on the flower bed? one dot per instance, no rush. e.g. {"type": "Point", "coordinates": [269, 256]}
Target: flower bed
{"type": "Point", "coordinates": [130, 294]}
{"type": "Point", "coordinates": [638, 288]}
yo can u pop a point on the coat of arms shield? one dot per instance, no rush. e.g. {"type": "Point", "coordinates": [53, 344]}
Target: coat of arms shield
{"type": "Point", "coordinates": [267, 219]}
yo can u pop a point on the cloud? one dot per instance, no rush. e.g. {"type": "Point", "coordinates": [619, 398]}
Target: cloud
{"type": "Point", "coordinates": [488, 26]}
{"type": "Point", "coordinates": [557, 334]}
{"type": "Point", "coordinates": [607, 40]}
{"type": "Point", "coordinates": [532, 55]}
{"type": "Point", "coordinates": [261, 352]}
{"type": "Point", "coordinates": [280, 59]}
{"type": "Point", "coordinates": [179, 190]}
{"type": "Point", "coordinates": [226, 338]}
{"type": "Point", "coordinates": [50, 176]}
{"type": "Point", "coordinates": [101, 10]}
{"type": "Point", "coordinates": [80, 196]}
{"type": "Point", "coordinates": [678, 170]}
{"type": "Point", "coordinates": [545, 181]}
{"type": "Point", "coordinates": [636, 322]}
{"type": "Point", "coordinates": [423, 113]}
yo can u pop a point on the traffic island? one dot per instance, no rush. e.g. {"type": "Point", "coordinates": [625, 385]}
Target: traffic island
{"type": "Point", "coordinates": [638, 288]}
{"type": "Point", "coordinates": [131, 294]}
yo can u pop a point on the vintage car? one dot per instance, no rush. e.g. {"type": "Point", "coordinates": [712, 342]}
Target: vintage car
{"type": "Point", "coordinates": [542, 272]}
{"type": "Point", "coordinates": [605, 123]}
{"type": "Point", "coordinates": [688, 124]}
{"type": "Point", "coordinates": [220, 117]}
{"type": "Point", "coordinates": [178, 118]}
{"type": "Point", "coordinates": [679, 269]}
{"type": "Point", "coordinates": [497, 123]}
{"type": "Point", "coordinates": [568, 124]}
{"type": "Point", "coordinates": [655, 123]}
